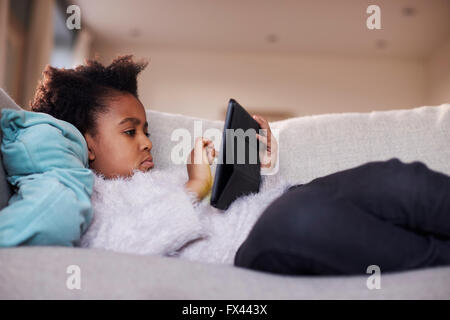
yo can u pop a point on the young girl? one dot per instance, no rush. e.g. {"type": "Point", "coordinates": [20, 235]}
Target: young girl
{"type": "Point", "coordinates": [137, 207]}
{"type": "Point", "coordinates": [385, 213]}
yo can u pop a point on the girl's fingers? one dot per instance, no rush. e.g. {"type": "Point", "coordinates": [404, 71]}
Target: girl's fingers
{"type": "Point", "coordinates": [199, 151]}
{"type": "Point", "coordinates": [201, 142]}
{"type": "Point", "coordinates": [261, 121]}
{"type": "Point", "coordinates": [204, 149]}
{"type": "Point", "coordinates": [266, 141]}
{"type": "Point", "coordinates": [262, 138]}
{"type": "Point", "coordinates": [264, 125]}
{"type": "Point", "coordinates": [208, 142]}
{"type": "Point", "coordinates": [211, 151]}
{"type": "Point", "coordinates": [211, 156]}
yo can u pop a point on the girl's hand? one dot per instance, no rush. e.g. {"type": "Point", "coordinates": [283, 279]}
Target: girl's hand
{"type": "Point", "coordinates": [198, 167]}
{"type": "Point", "coordinates": [268, 155]}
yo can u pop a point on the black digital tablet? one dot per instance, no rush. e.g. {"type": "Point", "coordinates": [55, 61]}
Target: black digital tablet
{"type": "Point", "coordinates": [237, 173]}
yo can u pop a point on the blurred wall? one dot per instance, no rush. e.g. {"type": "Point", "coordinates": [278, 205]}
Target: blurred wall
{"type": "Point", "coordinates": [200, 83]}
{"type": "Point", "coordinates": [39, 46]}
{"type": "Point", "coordinates": [438, 75]}
{"type": "Point", "coordinates": [3, 31]}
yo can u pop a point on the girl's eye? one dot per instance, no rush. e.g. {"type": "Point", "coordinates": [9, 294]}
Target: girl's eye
{"type": "Point", "coordinates": [132, 133]}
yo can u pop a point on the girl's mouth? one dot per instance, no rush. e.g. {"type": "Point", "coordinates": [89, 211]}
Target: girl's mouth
{"type": "Point", "coordinates": [147, 164]}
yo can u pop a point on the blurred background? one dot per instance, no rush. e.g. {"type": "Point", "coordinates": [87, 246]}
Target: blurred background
{"type": "Point", "coordinates": [277, 58]}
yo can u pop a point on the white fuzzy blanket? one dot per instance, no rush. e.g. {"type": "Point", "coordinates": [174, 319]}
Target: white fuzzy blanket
{"type": "Point", "coordinates": [153, 213]}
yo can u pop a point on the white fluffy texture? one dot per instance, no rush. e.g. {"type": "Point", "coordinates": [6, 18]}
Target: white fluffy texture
{"type": "Point", "coordinates": [149, 213]}
{"type": "Point", "coordinates": [230, 228]}
{"type": "Point", "coordinates": [153, 213]}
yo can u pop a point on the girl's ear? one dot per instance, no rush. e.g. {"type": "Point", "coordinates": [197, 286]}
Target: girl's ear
{"type": "Point", "coordinates": [90, 144]}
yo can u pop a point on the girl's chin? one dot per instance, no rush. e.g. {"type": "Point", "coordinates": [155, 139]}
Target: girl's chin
{"type": "Point", "coordinates": [145, 168]}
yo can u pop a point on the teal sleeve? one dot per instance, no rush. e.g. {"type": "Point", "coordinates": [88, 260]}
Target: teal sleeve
{"type": "Point", "coordinates": [46, 160]}
{"type": "Point", "coordinates": [44, 212]}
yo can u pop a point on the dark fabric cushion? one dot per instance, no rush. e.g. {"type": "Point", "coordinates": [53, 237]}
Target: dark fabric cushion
{"type": "Point", "coordinates": [5, 189]}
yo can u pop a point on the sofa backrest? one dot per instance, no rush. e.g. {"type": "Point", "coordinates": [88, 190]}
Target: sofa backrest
{"type": "Point", "coordinates": [5, 190]}
{"type": "Point", "coordinates": [318, 145]}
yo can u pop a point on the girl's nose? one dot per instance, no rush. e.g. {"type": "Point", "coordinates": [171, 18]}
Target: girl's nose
{"type": "Point", "coordinates": [147, 144]}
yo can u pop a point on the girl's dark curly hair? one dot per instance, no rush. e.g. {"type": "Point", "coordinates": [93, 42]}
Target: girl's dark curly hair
{"type": "Point", "coordinates": [78, 95]}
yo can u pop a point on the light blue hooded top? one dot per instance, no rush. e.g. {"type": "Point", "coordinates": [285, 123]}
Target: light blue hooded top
{"type": "Point", "coordinates": [46, 162]}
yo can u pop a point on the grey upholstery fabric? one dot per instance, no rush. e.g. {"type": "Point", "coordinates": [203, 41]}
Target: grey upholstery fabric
{"type": "Point", "coordinates": [5, 190]}
{"type": "Point", "coordinates": [41, 273]}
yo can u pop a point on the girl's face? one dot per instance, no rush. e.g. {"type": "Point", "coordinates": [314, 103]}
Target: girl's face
{"type": "Point", "coordinates": [121, 144]}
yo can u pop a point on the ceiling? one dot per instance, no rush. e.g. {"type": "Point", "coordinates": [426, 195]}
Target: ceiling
{"type": "Point", "coordinates": [410, 28]}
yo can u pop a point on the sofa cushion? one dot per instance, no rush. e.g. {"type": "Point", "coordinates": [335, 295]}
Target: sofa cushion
{"type": "Point", "coordinates": [5, 189]}
{"type": "Point", "coordinates": [111, 275]}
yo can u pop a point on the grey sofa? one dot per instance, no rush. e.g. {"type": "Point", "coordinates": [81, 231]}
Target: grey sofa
{"type": "Point", "coordinates": [310, 146]}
